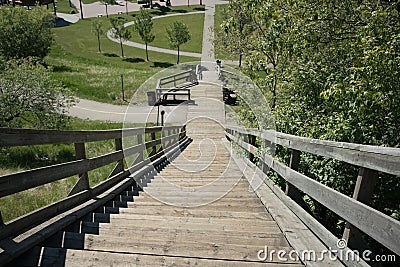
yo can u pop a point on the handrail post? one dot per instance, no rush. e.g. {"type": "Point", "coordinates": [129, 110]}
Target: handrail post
{"type": "Point", "coordinates": [1, 221]}
{"type": "Point", "coordinates": [292, 191]}
{"type": "Point", "coordinates": [140, 141]}
{"type": "Point", "coordinates": [182, 133]}
{"type": "Point", "coordinates": [264, 166]}
{"type": "Point", "coordinates": [83, 181]}
{"type": "Point", "coordinates": [153, 148]}
{"type": "Point", "coordinates": [120, 165]}
{"type": "Point", "coordinates": [252, 142]}
{"type": "Point", "coordinates": [363, 192]}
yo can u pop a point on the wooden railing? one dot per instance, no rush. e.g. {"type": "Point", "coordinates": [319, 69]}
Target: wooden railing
{"type": "Point", "coordinates": [159, 142]}
{"type": "Point", "coordinates": [357, 213]}
{"type": "Point", "coordinates": [176, 83]}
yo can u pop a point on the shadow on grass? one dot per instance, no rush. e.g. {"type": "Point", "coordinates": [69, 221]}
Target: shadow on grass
{"type": "Point", "coordinates": [162, 10]}
{"type": "Point", "coordinates": [61, 22]}
{"type": "Point", "coordinates": [161, 65]}
{"type": "Point", "coordinates": [62, 68]}
{"type": "Point", "coordinates": [133, 60]}
{"type": "Point", "coordinates": [200, 8]}
{"type": "Point", "coordinates": [110, 55]}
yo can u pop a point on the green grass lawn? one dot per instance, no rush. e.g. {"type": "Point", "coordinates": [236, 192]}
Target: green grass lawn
{"type": "Point", "coordinates": [194, 22]}
{"type": "Point", "coordinates": [92, 75]}
{"type": "Point", "coordinates": [63, 7]}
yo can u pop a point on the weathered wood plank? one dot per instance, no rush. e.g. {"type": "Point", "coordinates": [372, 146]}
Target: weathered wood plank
{"type": "Point", "coordinates": [73, 258]}
{"type": "Point", "coordinates": [382, 159]}
{"type": "Point", "coordinates": [24, 137]}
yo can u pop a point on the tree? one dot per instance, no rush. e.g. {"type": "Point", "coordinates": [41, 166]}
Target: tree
{"type": "Point", "coordinates": [28, 96]}
{"type": "Point", "coordinates": [234, 33]}
{"type": "Point", "coordinates": [119, 31]}
{"type": "Point", "coordinates": [106, 3]}
{"type": "Point", "coordinates": [25, 33]}
{"type": "Point", "coordinates": [178, 34]}
{"type": "Point", "coordinates": [144, 25]}
{"type": "Point", "coordinates": [97, 28]}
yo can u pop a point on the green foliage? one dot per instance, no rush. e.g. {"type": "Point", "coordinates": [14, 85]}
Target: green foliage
{"type": "Point", "coordinates": [98, 30]}
{"type": "Point", "coordinates": [28, 96]}
{"type": "Point", "coordinates": [178, 34]}
{"type": "Point", "coordinates": [24, 32]}
{"type": "Point", "coordinates": [144, 26]}
{"type": "Point", "coordinates": [119, 31]}
{"type": "Point", "coordinates": [233, 31]}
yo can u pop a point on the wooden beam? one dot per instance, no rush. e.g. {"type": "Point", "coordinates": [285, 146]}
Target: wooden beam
{"type": "Point", "coordinates": [83, 181]}
{"type": "Point", "coordinates": [363, 192]}
{"type": "Point", "coordinates": [384, 159]}
{"type": "Point", "coordinates": [291, 191]}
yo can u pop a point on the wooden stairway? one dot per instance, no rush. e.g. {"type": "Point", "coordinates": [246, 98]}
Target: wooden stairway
{"type": "Point", "coordinates": [197, 211]}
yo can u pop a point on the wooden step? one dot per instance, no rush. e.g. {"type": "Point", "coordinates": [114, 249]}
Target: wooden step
{"type": "Point", "coordinates": [177, 248]}
{"type": "Point", "coordinates": [73, 258]}
{"type": "Point", "coordinates": [197, 212]}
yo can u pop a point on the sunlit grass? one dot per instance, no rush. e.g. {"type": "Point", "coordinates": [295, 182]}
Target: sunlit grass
{"type": "Point", "coordinates": [93, 75]}
{"type": "Point", "coordinates": [195, 23]}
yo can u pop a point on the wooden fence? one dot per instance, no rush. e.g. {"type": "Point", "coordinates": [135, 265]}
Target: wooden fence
{"type": "Point", "coordinates": [357, 213]}
{"type": "Point", "coordinates": [28, 230]}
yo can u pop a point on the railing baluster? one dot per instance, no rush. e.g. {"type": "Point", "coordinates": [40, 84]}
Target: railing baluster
{"type": "Point", "coordinates": [119, 167]}
{"type": "Point", "coordinates": [363, 192]}
{"type": "Point", "coordinates": [291, 190]}
{"type": "Point", "coordinates": [252, 141]}
{"type": "Point", "coordinates": [1, 221]}
{"type": "Point", "coordinates": [153, 148]}
{"type": "Point", "coordinates": [83, 182]}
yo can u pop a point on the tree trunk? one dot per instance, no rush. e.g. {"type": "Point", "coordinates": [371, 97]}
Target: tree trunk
{"type": "Point", "coordinates": [147, 53]}
{"type": "Point", "coordinates": [240, 60]}
{"type": "Point", "coordinates": [274, 90]}
{"type": "Point", "coordinates": [106, 10]}
{"type": "Point", "coordinates": [122, 48]}
{"type": "Point", "coordinates": [188, 3]}
{"type": "Point", "coordinates": [98, 40]}
{"type": "Point", "coordinates": [178, 56]}
{"type": "Point", "coordinates": [80, 5]}
{"type": "Point", "coordinates": [201, 2]}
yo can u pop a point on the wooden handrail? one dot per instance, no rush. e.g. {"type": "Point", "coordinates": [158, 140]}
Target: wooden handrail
{"type": "Point", "coordinates": [374, 223]}
{"type": "Point", "coordinates": [29, 137]}
{"type": "Point", "coordinates": [169, 138]}
{"type": "Point", "coordinates": [176, 77]}
{"type": "Point", "coordinates": [384, 159]}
